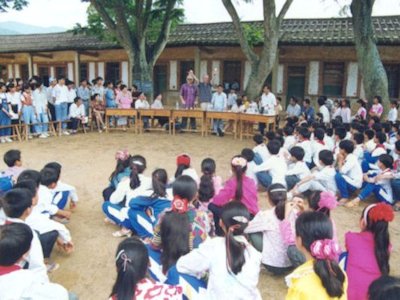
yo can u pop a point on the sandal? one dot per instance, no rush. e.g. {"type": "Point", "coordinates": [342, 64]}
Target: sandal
{"type": "Point", "coordinates": [122, 233]}
{"type": "Point", "coordinates": [108, 221]}
{"type": "Point", "coordinates": [396, 208]}
{"type": "Point", "coordinates": [352, 204]}
{"type": "Point", "coordinates": [343, 201]}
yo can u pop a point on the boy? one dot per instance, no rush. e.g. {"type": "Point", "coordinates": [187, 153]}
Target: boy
{"type": "Point", "coordinates": [219, 103]}
{"type": "Point", "coordinates": [272, 170]}
{"type": "Point", "coordinates": [261, 153]}
{"type": "Point", "coordinates": [12, 158]}
{"type": "Point", "coordinates": [77, 114]}
{"type": "Point", "coordinates": [304, 142]}
{"type": "Point", "coordinates": [16, 241]}
{"type": "Point", "coordinates": [323, 180]}
{"type": "Point", "coordinates": [370, 158]}
{"type": "Point", "coordinates": [17, 205]}
{"type": "Point", "coordinates": [349, 175]}
{"type": "Point", "coordinates": [317, 145]}
{"type": "Point", "coordinates": [248, 154]}
{"type": "Point", "coordinates": [340, 134]}
{"type": "Point", "coordinates": [63, 191]}
{"type": "Point", "coordinates": [297, 167]}
{"type": "Point", "coordinates": [377, 183]}
{"type": "Point", "coordinates": [290, 139]}
{"type": "Point", "coordinates": [232, 97]}
{"type": "Point", "coordinates": [369, 135]}
{"type": "Point", "coordinates": [358, 139]}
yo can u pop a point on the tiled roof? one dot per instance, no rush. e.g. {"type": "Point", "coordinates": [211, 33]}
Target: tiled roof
{"type": "Point", "coordinates": [294, 31]}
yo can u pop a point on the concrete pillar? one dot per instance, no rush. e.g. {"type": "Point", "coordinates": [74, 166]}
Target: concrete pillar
{"type": "Point", "coordinates": [10, 71]}
{"type": "Point", "coordinates": [197, 62]}
{"type": "Point", "coordinates": [30, 65]}
{"type": "Point", "coordinates": [77, 64]}
{"type": "Point", "coordinates": [17, 71]}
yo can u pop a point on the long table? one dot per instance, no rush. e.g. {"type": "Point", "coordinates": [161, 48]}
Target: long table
{"type": "Point", "coordinates": [222, 115]}
{"type": "Point", "coordinates": [153, 113]}
{"type": "Point", "coordinates": [256, 118]}
{"type": "Point", "coordinates": [188, 113]}
{"type": "Point", "coordinates": [119, 112]}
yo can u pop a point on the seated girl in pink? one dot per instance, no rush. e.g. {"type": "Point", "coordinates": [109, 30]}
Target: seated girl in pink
{"type": "Point", "coordinates": [368, 250]}
{"type": "Point", "coordinates": [124, 101]}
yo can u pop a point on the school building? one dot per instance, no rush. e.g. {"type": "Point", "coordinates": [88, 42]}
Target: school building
{"type": "Point", "coordinates": [316, 56]}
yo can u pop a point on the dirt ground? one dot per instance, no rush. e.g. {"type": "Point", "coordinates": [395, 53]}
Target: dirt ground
{"type": "Point", "coordinates": [87, 163]}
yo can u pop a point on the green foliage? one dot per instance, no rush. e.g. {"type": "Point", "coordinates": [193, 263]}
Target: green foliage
{"type": "Point", "coordinates": [12, 4]}
{"type": "Point", "coordinates": [254, 34]}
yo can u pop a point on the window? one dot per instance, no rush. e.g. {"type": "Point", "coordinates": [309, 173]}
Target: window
{"type": "Point", "coordinates": [232, 75]}
{"type": "Point", "coordinates": [185, 67]}
{"type": "Point", "coordinates": [24, 72]}
{"type": "Point", "coordinates": [333, 79]}
{"type": "Point", "coordinates": [393, 74]}
{"type": "Point", "coordinates": [44, 74]}
{"type": "Point", "coordinates": [160, 79]}
{"type": "Point", "coordinates": [60, 71]}
{"type": "Point", "coordinates": [3, 72]}
{"type": "Point", "coordinates": [83, 72]}
{"type": "Point", "coordinates": [113, 72]}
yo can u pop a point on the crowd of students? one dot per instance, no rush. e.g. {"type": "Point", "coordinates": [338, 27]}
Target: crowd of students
{"type": "Point", "coordinates": [202, 237]}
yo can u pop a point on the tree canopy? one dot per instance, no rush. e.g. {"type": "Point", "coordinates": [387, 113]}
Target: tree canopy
{"type": "Point", "coordinates": [12, 4]}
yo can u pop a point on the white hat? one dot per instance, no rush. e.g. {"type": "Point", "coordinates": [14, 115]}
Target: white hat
{"type": "Point", "coordinates": [51, 79]}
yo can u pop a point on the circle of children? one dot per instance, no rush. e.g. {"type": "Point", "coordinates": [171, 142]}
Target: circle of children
{"type": "Point", "coordinates": [34, 104]}
{"type": "Point", "coordinates": [197, 238]}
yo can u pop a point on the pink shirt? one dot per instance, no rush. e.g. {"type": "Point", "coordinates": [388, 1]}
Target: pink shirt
{"type": "Point", "coordinates": [124, 101]}
{"type": "Point", "coordinates": [362, 113]}
{"type": "Point", "coordinates": [249, 196]}
{"type": "Point", "coordinates": [377, 109]}
{"type": "Point", "coordinates": [362, 266]}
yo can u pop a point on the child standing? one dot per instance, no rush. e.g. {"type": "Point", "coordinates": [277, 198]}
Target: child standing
{"type": "Point", "coordinates": [233, 264]}
{"type": "Point", "coordinates": [320, 277]}
{"type": "Point", "coordinates": [219, 103]}
{"type": "Point", "coordinates": [392, 114]}
{"type": "Point", "coordinates": [368, 250]}
{"type": "Point", "coordinates": [376, 109]}
{"type": "Point", "coordinates": [5, 115]}
{"type": "Point", "coordinates": [124, 101]}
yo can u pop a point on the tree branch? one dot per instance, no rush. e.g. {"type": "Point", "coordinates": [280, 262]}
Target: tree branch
{"type": "Point", "coordinates": [105, 16]}
{"type": "Point", "coordinates": [248, 52]}
{"type": "Point", "coordinates": [164, 32]}
{"type": "Point", "coordinates": [284, 10]}
{"type": "Point", "coordinates": [147, 10]}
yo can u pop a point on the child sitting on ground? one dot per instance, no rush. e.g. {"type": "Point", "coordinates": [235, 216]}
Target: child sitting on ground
{"type": "Point", "coordinates": [297, 169]}
{"type": "Point", "coordinates": [183, 167]}
{"type": "Point", "coordinates": [261, 153]}
{"type": "Point", "coordinates": [370, 158]}
{"type": "Point", "coordinates": [248, 154]}
{"type": "Point", "coordinates": [304, 142]}
{"type": "Point", "coordinates": [12, 158]}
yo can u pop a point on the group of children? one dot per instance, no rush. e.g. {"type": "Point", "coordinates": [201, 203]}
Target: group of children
{"type": "Point", "coordinates": [33, 212]}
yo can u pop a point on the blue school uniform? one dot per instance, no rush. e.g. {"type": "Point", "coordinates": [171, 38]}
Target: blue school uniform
{"type": "Point", "coordinates": [117, 179]}
{"type": "Point", "coordinates": [5, 120]}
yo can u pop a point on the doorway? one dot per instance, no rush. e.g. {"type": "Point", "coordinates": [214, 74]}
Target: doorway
{"type": "Point", "coordinates": [160, 79]}
{"type": "Point", "coordinates": [296, 82]}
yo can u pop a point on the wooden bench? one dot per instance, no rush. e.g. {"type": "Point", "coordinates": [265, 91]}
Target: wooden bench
{"type": "Point", "coordinates": [256, 118]}
{"type": "Point", "coordinates": [15, 131]}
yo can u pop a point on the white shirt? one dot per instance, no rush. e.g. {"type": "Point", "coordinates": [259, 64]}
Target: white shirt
{"type": "Point", "coordinates": [290, 141]}
{"type": "Point", "coordinates": [329, 142]}
{"type": "Point", "coordinates": [359, 152]}
{"type": "Point", "coordinates": [262, 151]}
{"type": "Point", "coordinates": [351, 171]}
{"type": "Point", "coordinates": [139, 104]}
{"type": "Point", "coordinates": [316, 149]}
{"type": "Point", "coordinates": [60, 93]}
{"type": "Point", "coordinates": [157, 104]}
{"type": "Point", "coordinates": [124, 190]}
{"type": "Point", "coordinates": [326, 117]}
{"type": "Point", "coordinates": [71, 95]}
{"type": "Point", "coordinates": [45, 202]}
{"type": "Point", "coordinates": [250, 172]}
{"type": "Point", "coordinates": [76, 111]}
{"type": "Point", "coordinates": [14, 98]}
{"type": "Point", "coordinates": [326, 177]}
{"type": "Point", "coordinates": [299, 169]}
{"type": "Point", "coordinates": [308, 153]}
{"type": "Point", "coordinates": [24, 284]}
{"type": "Point", "coordinates": [269, 103]}
{"type": "Point", "coordinates": [219, 101]}
{"type": "Point", "coordinates": [276, 167]}
{"type": "Point", "coordinates": [211, 257]}
{"type": "Point", "coordinates": [343, 112]}
{"type": "Point", "coordinates": [39, 98]}
{"type": "Point", "coordinates": [370, 145]}
{"type": "Point", "coordinates": [392, 115]}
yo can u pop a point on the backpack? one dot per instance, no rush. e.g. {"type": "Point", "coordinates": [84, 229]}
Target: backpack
{"type": "Point", "coordinates": [6, 183]}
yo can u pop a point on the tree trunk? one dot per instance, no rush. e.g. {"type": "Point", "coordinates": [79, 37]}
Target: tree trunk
{"type": "Point", "coordinates": [256, 80]}
{"type": "Point", "coordinates": [373, 73]}
{"type": "Point", "coordinates": [142, 73]}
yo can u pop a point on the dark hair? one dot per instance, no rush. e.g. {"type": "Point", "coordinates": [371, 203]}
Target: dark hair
{"type": "Point", "coordinates": [11, 157]}
{"type": "Point", "coordinates": [277, 195]}
{"type": "Point", "coordinates": [385, 287]}
{"type": "Point", "coordinates": [159, 179]}
{"type": "Point", "coordinates": [369, 133]}
{"type": "Point", "coordinates": [380, 230]}
{"type": "Point", "coordinates": [235, 258]}
{"type": "Point", "coordinates": [131, 268]}
{"type": "Point", "coordinates": [329, 132]}
{"type": "Point", "coordinates": [340, 132]}
{"type": "Point", "coordinates": [181, 167]}
{"type": "Point", "coordinates": [16, 201]}
{"type": "Point", "coordinates": [77, 99]}
{"type": "Point", "coordinates": [239, 172]}
{"type": "Point", "coordinates": [30, 175]}
{"type": "Point", "coordinates": [258, 139]}
{"type": "Point", "coordinates": [379, 98]}
{"type": "Point", "coordinates": [387, 126]}
{"type": "Point", "coordinates": [297, 152]}
{"type": "Point", "coordinates": [248, 154]}
{"type": "Point", "coordinates": [273, 147]}
{"type": "Point", "coordinates": [55, 166]}
{"type": "Point", "coordinates": [15, 241]}
{"type": "Point", "coordinates": [313, 198]}
{"type": "Point", "coordinates": [319, 133]}
{"type": "Point", "coordinates": [206, 187]}
{"type": "Point", "coordinates": [122, 86]}
{"type": "Point", "coordinates": [120, 167]}
{"type": "Point", "coordinates": [362, 103]}
{"type": "Point", "coordinates": [304, 132]}
{"type": "Point", "coordinates": [386, 160]}
{"type": "Point", "coordinates": [138, 165]}
{"type": "Point", "coordinates": [270, 135]}
{"type": "Point", "coordinates": [381, 137]}
{"type": "Point", "coordinates": [321, 100]}
{"type": "Point", "coordinates": [326, 157]}
{"type": "Point", "coordinates": [358, 138]}
{"type": "Point", "coordinates": [288, 130]}
{"type": "Point", "coordinates": [314, 226]}
{"type": "Point", "coordinates": [307, 101]}
{"type": "Point", "coordinates": [27, 184]}
{"type": "Point", "coordinates": [347, 146]}
{"type": "Point", "coordinates": [397, 145]}
{"type": "Point", "coordinates": [48, 176]}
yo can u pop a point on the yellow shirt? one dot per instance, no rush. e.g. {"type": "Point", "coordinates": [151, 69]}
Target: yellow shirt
{"type": "Point", "coordinates": [305, 284]}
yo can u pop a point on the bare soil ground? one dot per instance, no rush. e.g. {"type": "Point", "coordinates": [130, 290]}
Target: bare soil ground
{"type": "Point", "coordinates": [87, 163]}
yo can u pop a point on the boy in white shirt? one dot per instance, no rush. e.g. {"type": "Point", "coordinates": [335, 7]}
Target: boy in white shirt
{"type": "Point", "coordinates": [392, 114]}
{"type": "Point", "coordinates": [268, 105]}
{"type": "Point", "coordinates": [290, 139]}
{"type": "Point", "coordinates": [369, 135]}
{"type": "Point", "coordinates": [232, 97]}
{"type": "Point", "coordinates": [304, 142]}
{"type": "Point", "coordinates": [370, 159]}
{"type": "Point", "coordinates": [317, 145]}
{"type": "Point", "coordinates": [326, 116]}
{"type": "Point", "coordinates": [272, 170]}
{"type": "Point", "coordinates": [141, 103]}
{"type": "Point", "coordinates": [261, 153]}
{"type": "Point", "coordinates": [349, 175]}
{"type": "Point", "coordinates": [77, 114]}
{"type": "Point", "coordinates": [248, 154]}
{"type": "Point", "coordinates": [16, 240]}
{"type": "Point", "coordinates": [297, 169]}
{"type": "Point", "coordinates": [321, 180]}
{"type": "Point", "coordinates": [340, 134]}
{"type": "Point", "coordinates": [358, 139]}
{"type": "Point", "coordinates": [219, 103]}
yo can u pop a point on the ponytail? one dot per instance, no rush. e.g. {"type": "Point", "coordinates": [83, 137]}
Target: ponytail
{"type": "Point", "coordinates": [331, 275]}
{"type": "Point", "coordinates": [159, 182]}
{"type": "Point", "coordinates": [277, 195]}
{"type": "Point", "coordinates": [234, 252]}
{"type": "Point", "coordinates": [180, 169]}
{"type": "Point", "coordinates": [206, 188]}
{"type": "Point", "coordinates": [138, 165]}
{"type": "Point", "coordinates": [239, 183]}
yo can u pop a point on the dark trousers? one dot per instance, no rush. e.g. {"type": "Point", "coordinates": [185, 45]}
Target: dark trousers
{"type": "Point", "coordinates": [47, 240]}
{"type": "Point", "coordinates": [74, 123]}
{"type": "Point", "coordinates": [291, 181]}
{"type": "Point", "coordinates": [192, 123]}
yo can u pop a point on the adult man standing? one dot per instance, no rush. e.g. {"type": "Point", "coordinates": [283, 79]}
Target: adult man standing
{"type": "Point", "coordinates": [205, 93]}
{"type": "Point", "coordinates": [219, 103]}
{"type": "Point", "coordinates": [267, 105]}
{"type": "Point", "coordinates": [83, 92]}
{"type": "Point", "coordinates": [188, 96]}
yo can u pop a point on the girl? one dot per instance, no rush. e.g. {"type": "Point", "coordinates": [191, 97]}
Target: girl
{"type": "Point", "coordinates": [232, 262]}
{"type": "Point", "coordinates": [368, 250]}
{"type": "Point", "coordinates": [238, 188]}
{"type": "Point", "coordinates": [376, 109]}
{"type": "Point", "coordinates": [116, 210]}
{"type": "Point", "coordinates": [145, 209]}
{"type": "Point", "coordinates": [124, 101]}
{"type": "Point", "coordinates": [132, 261]}
{"type": "Point", "coordinates": [157, 104]}
{"type": "Point", "coordinates": [184, 168]}
{"type": "Point", "coordinates": [208, 168]}
{"type": "Point", "coordinates": [320, 277]}
{"type": "Point", "coordinates": [274, 251]}
{"type": "Point", "coordinates": [110, 95]}
{"type": "Point", "coordinates": [5, 116]}
{"type": "Point", "coordinates": [392, 115]}
{"type": "Point", "coordinates": [362, 111]}
{"type": "Point", "coordinates": [343, 111]}
{"type": "Point", "coordinates": [28, 110]}
{"type": "Point", "coordinates": [122, 170]}
{"type": "Point", "coordinates": [98, 111]}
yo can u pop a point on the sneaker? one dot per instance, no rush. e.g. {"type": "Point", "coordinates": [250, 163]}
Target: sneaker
{"type": "Point", "coordinates": [100, 131]}
{"type": "Point", "coordinates": [61, 220]}
{"type": "Point", "coordinates": [51, 267]}
{"type": "Point", "coordinates": [8, 140]}
{"type": "Point", "coordinates": [2, 140]}
{"type": "Point", "coordinates": [30, 137]}
{"type": "Point", "coordinates": [42, 136]}
{"type": "Point", "coordinates": [46, 134]}
{"type": "Point", "coordinates": [65, 133]}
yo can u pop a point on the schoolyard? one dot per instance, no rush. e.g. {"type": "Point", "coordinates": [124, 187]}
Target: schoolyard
{"type": "Point", "coordinates": [87, 162]}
